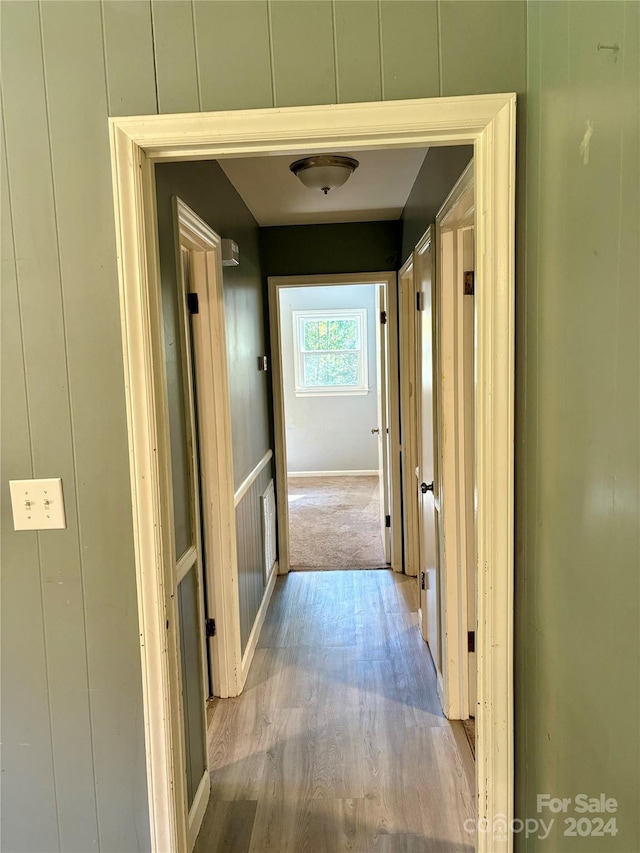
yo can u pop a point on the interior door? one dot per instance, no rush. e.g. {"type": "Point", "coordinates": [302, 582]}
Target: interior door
{"type": "Point", "coordinates": [189, 577]}
{"type": "Point", "coordinates": [454, 236]}
{"type": "Point", "coordinates": [428, 491]}
{"type": "Point", "coordinates": [382, 427]}
{"type": "Point", "coordinates": [467, 266]}
{"type": "Point", "coordinates": [409, 416]}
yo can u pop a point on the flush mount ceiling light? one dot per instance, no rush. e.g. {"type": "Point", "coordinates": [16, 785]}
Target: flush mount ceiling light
{"type": "Point", "coordinates": [324, 172]}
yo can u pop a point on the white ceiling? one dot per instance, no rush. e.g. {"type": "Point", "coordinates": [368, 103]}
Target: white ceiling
{"type": "Point", "coordinates": [377, 190]}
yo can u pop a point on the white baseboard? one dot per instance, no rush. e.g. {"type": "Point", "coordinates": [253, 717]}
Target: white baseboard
{"type": "Point", "coordinates": [440, 692]}
{"type": "Point", "coordinates": [363, 473]}
{"type": "Point", "coordinates": [198, 808]}
{"type": "Point", "coordinates": [254, 636]}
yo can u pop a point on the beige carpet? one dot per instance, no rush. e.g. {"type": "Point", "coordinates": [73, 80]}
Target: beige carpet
{"type": "Point", "coordinates": [334, 523]}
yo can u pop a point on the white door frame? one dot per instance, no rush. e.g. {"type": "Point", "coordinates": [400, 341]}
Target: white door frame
{"type": "Point", "coordinates": [408, 415]}
{"type": "Point", "coordinates": [275, 283]}
{"type": "Point", "coordinates": [487, 122]}
{"type": "Point", "coordinates": [216, 450]}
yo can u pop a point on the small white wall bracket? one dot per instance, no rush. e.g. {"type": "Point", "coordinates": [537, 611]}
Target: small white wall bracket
{"type": "Point", "coordinates": [37, 504]}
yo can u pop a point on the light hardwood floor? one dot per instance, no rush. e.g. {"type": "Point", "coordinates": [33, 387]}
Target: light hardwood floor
{"type": "Point", "coordinates": [338, 742]}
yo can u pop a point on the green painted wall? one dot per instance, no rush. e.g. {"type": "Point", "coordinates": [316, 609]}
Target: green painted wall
{"type": "Point", "coordinates": [207, 190]}
{"type": "Point", "coordinates": [70, 671]}
{"type": "Point", "coordinates": [73, 761]}
{"type": "Point", "coordinates": [578, 431]}
{"type": "Point", "coordinates": [437, 176]}
{"type": "Point", "coordinates": [326, 249]}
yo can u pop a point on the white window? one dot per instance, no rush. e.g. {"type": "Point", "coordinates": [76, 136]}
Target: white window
{"type": "Point", "coordinates": [331, 351]}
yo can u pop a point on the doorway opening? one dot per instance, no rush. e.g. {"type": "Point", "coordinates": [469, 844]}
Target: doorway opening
{"type": "Point", "coordinates": [334, 374]}
{"type": "Point", "coordinates": [486, 121]}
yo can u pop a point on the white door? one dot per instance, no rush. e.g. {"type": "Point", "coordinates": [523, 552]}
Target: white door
{"type": "Point", "coordinates": [428, 489]}
{"type": "Point", "coordinates": [454, 283]}
{"type": "Point", "coordinates": [189, 579]}
{"type": "Point", "coordinates": [409, 416]}
{"type": "Point", "coordinates": [467, 265]}
{"type": "Point", "coordinates": [207, 380]}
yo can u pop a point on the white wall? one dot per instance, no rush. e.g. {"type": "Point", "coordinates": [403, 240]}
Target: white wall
{"type": "Point", "coordinates": [329, 433]}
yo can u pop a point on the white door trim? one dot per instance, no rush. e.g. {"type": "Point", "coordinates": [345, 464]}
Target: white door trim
{"type": "Point", "coordinates": [251, 477]}
{"type": "Point", "coordinates": [487, 122]}
{"type": "Point", "coordinates": [275, 283]}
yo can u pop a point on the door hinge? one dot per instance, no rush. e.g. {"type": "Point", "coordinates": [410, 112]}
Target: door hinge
{"type": "Point", "coordinates": [383, 317]}
{"type": "Point", "coordinates": [210, 627]}
{"type": "Point", "coordinates": [387, 521]}
{"type": "Point", "coordinates": [469, 283]}
{"type": "Point", "coordinates": [192, 303]}
{"type": "Point", "coordinates": [418, 300]}
{"type": "Point", "coordinates": [471, 641]}
{"type": "Point", "coordinates": [423, 580]}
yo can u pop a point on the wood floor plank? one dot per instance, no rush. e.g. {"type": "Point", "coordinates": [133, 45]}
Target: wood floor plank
{"type": "Point", "coordinates": [338, 743]}
{"type": "Point", "coordinates": [227, 827]}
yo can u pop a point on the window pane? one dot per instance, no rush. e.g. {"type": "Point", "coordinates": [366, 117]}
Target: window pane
{"type": "Point", "coordinates": [330, 335]}
{"type": "Point", "coordinates": [332, 368]}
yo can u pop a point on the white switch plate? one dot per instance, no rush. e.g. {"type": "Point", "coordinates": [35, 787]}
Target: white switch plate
{"type": "Point", "coordinates": [37, 504]}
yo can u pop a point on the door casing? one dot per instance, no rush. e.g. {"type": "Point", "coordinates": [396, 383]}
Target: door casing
{"type": "Point", "coordinates": [486, 121]}
{"type": "Point", "coordinates": [387, 280]}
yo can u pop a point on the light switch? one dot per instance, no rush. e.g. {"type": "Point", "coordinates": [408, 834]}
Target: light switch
{"type": "Point", "coordinates": [37, 504]}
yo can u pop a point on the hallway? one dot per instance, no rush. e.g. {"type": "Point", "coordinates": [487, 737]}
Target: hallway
{"type": "Point", "coordinates": [338, 742]}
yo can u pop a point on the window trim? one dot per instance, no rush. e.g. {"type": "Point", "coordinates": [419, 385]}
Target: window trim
{"type": "Point", "coordinates": [299, 316]}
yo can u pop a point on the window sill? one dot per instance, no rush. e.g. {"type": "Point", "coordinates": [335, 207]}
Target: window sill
{"type": "Point", "coordinates": [333, 392]}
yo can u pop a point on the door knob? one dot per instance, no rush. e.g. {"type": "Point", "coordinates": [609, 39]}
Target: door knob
{"type": "Point", "coordinates": [426, 487]}
{"type": "Point", "coordinates": [374, 430]}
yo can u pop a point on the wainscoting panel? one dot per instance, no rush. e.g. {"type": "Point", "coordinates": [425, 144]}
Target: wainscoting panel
{"type": "Point", "coordinates": [251, 581]}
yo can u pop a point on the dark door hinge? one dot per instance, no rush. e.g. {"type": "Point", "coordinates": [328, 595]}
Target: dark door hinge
{"type": "Point", "coordinates": [469, 283]}
{"type": "Point", "coordinates": [383, 317]}
{"type": "Point", "coordinates": [210, 627]}
{"type": "Point", "coordinates": [418, 300]}
{"type": "Point", "coordinates": [471, 641]}
{"type": "Point", "coordinates": [423, 580]}
{"type": "Point", "coordinates": [192, 303]}
{"type": "Point", "coordinates": [387, 521]}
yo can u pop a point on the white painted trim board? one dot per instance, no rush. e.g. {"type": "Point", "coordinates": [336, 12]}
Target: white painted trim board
{"type": "Point", "coordinates": [363, 473]}
{"type": "Point", "coordinates": [486, 121]}
{"type": "Point", "coordinates": [244, 487]}
{"type": "Point", "coordinates": [199, 807]}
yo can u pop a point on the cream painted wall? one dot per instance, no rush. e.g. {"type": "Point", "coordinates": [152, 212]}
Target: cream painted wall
{"type": "Point", "coordinates": [73, 773]}
{"type": "Point", "coordinates": [329, 433]}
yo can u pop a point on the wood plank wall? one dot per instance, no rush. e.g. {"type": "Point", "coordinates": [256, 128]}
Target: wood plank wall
{"type": "Point", "coordinates": [74, 773]}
